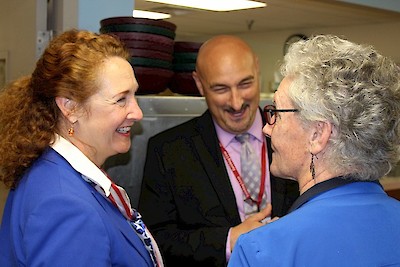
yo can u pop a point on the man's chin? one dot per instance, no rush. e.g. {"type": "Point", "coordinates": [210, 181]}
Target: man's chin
{"type": "Point", "coordinates": [241, 125]}
{"type": "Point", "coordinates": [237, 129]}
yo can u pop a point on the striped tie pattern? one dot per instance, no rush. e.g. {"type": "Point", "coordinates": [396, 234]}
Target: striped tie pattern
{"type": "Point", "coordinates": [250, 171]}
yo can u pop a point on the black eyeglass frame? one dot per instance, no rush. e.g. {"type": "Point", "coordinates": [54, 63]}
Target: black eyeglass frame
{"type": "Point", "coordinates": [270, 112]}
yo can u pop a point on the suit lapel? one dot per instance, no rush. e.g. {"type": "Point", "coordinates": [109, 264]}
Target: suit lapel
{"type": "Point", "coordinates": [123, 225]}
{"type": "Point", "coordinates": [206, 143]}
{"type": "Point", "coordinates": [112, 213]}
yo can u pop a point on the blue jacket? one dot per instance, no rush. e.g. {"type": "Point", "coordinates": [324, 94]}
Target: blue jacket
{"type": "Point", "coordinates": [55, 218]}
{"type": "Point", "coordinates": [355, 224]}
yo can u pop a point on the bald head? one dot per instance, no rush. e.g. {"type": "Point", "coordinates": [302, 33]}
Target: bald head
{"type": "Point", "coordinates": [222, 50]}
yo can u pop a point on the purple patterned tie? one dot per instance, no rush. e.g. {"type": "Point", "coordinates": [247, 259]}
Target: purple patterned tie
{"type": "Point", "coordinates": [250, 171]}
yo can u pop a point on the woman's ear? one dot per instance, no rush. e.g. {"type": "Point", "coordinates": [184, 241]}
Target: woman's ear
{"type": "Point", "coordinates": [322, 131]}
{"type": "Point", "coordinates": [67, 107]}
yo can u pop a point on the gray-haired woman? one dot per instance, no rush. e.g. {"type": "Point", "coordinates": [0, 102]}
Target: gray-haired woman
{"type": "Point", "coordinates": [335, 128]}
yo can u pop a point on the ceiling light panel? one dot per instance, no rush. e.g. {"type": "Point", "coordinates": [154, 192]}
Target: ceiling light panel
{"type": "Point", "coordinates": [213, 5]}
{"type": "Point", "coordinates": [149, 14]}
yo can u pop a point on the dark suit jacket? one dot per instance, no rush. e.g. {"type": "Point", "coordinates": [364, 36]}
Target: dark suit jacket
{"type": "Point", "coordinates": [187, 200]}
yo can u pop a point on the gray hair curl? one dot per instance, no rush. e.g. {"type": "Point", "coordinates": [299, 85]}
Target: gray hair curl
{"type": "Point", "coordinates": [358, 91]}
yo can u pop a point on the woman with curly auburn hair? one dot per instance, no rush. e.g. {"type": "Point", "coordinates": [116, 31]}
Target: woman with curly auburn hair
{"type": "Point", "coordinates": [335, 128]}
{"type": "Point", "coordinates": [57, 128]}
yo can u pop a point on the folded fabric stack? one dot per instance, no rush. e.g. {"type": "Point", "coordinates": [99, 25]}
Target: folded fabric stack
{"type": "Point", "coordinates": [184, 63]}
{"type": "Point", "coordinates": [151, 45]}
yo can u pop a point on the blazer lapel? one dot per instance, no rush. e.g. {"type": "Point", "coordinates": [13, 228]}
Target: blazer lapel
{"type": "Point", "coordinates": [211, 157]}
{"type": "Point", "coordinates": [112, 213]}
{"type": "Point", "coordinates": [123, 225]}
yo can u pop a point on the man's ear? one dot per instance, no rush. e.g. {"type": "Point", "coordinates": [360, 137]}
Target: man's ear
{"type": "Point", "coordinates": [196, 78]}
{"type": "Point", "coordinates": [68, 108]}
{"type": "Point", "coordinates": [322, 131]}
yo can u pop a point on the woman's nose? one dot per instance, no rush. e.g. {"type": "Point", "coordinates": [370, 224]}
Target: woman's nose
{"type": "Point", "coordinates": [135, 112]}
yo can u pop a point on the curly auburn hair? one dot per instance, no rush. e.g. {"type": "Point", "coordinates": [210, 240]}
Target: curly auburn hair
{"type": "Point", "coordinates": [29, 115]}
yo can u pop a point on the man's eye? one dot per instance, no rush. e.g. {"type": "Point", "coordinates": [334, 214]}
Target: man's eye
{"type": "Point", "coordinates": [246, 84]}
{"type": "Point", "coordinates": [220, 89]}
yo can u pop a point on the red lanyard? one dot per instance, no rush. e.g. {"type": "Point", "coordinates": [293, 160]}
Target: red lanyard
{"type": "Point", "coordinates": [239, 177]}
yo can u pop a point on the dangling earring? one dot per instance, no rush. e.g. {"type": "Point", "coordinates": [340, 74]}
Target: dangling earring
{"type": "Point", "coordinates": [71, 130]}
{"type": "Point", "coordinates": [312, 166]}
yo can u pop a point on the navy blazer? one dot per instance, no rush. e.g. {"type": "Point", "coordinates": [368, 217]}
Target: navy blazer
{"type": "Point", "coordinates": [55, 218]}
{"type": "Point", "coordinates": [187, 199]}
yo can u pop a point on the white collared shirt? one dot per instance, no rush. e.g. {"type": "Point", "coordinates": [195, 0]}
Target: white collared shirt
{"type": "Point", "coordinates": [81, 163]}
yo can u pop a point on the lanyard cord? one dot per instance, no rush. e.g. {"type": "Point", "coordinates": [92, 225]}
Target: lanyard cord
{"type": "Point", "coordinates": [239, 177]}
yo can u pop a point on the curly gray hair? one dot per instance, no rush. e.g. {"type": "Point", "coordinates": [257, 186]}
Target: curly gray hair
{"type": "Point", "coordinates": [358, 91]}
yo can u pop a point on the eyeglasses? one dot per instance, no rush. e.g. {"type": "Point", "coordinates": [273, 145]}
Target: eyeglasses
{"type": "Point", "coordinates": [270, 112]}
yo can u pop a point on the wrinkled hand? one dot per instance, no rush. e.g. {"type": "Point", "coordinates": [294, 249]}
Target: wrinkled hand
{"type": "Point", "coordinates": [252, 222]}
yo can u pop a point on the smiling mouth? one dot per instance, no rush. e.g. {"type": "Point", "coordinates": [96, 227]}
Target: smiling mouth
{"type": "Point", "coordinates": [237, 113]}
{"type": "Point", "coordinates": [124, 130]}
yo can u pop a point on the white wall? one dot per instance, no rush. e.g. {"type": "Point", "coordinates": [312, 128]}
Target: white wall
{"type": "Point", "coordinates": [269, 46]}
{"type": "Point", "coordinates": [392, 5]}
{"type": "Point", "coordinates": [90, 12]}
{"type": "Point", "coordinates": [21, 20]}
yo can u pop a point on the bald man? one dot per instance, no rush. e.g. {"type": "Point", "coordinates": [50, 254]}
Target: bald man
{"type": "Point", "coordinates": [193, 198]}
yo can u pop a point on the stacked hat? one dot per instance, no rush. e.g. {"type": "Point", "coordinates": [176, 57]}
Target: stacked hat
{"type": "Point", "coordinates": [184, 63]}
{"type": "Point", "coordinates": [151, 45]}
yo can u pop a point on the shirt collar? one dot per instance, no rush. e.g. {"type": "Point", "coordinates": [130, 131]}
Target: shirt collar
{"type": "Point", "coordinates": [226, 138]}
{"type": "Point", "coordinates": [75, 157]}
{"type": "Point", "coordinates": [320, 188]}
